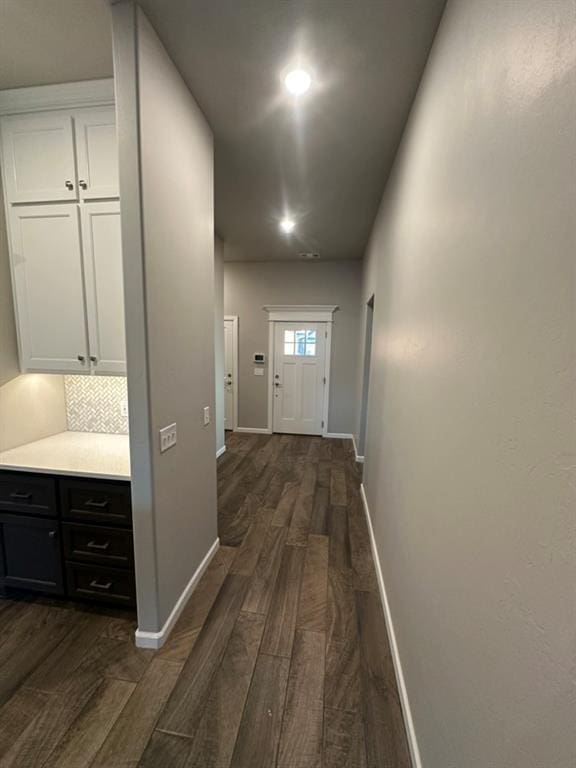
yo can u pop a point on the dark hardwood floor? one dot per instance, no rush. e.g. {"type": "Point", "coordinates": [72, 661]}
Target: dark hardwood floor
{"type": "Point", "coordinates": [279, 660]}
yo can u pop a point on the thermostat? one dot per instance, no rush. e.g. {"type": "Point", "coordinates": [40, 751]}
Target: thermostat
{"type": "Point", "coordinates": [259, 357]}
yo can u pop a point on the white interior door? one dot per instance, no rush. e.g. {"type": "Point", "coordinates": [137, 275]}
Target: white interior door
{"type": "Point", "coordinates": [102, 241]}
{"type": "Point", "coordinates": [229, 374]}
{"type": "Point", "coordinates": [38, 152]}
{"type": "Point", "coordinates": [298, 377]}
{"type": "Point", "coordinates": [47, 268]}
{"type": "Point", "coordinates": [97, 150]}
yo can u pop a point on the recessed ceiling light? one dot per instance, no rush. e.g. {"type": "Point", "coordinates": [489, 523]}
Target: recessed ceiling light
{"type": "Point", "coordinates": [287, 225]}
{"type": "Point", "coordinates": [297, 81]}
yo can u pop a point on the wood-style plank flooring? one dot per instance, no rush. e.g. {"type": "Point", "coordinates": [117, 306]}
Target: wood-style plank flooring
{"type": "Point", "coordinates": [279, 660]}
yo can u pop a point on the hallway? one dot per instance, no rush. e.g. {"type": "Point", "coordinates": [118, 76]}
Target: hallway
{"type": "Point", "coordinates": [290, 667]}
{"type": "Point", "coordinates": [280, 657]}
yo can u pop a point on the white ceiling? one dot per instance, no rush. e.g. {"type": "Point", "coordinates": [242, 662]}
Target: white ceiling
{"type": "Point", "coordinates": [323, 158]}
{"type": "Point", "coordinates": [54, 41]}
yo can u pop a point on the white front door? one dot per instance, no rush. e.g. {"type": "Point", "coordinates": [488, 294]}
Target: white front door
{"type": "Point", "coordinates": [298, 377]}
{"type": "Point", "coordinates": [229, 380]}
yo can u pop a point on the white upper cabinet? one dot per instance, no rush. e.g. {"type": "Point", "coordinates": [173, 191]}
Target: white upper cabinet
{"type": "Point", "coordinates": [38, 155]}
{"type": "Point", "coordinates": [97, 152]}
{"type": "Point", "coordinates": [101, 237]}
{"type": "Point", "coordinates": [40, 151]}
{"type": "Point", "coordinates": [60, 169]}
{"type": "Point", "coordinates": [49, 288]}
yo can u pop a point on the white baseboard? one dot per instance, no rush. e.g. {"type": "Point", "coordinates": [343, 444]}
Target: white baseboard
{"type": "Point", "coordinates": [156, 640]}
{"type": "Point", "coordinates": [341, 435]}
{"type": "Point", "coordinates": [409, 722]}
{"type": "Point", "coordinates": [254, 430]}
{"type": "Point", "coordinates": [220, 451]}
{"type": "Point", "coordinates": [359, 459]}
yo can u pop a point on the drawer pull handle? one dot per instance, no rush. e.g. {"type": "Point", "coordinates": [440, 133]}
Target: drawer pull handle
{"type": "Point", "coordinates": [104, 587]}
{"type": "Point", "coordinates": [18, 496]}
{"type": "Point", "coordinates": [96, 504]}
{"type": "Point", "coordinates": [99, 547]}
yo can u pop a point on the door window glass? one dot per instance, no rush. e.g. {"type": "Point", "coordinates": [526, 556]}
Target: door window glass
{"type": "Point", "coordinates": [301, 342]}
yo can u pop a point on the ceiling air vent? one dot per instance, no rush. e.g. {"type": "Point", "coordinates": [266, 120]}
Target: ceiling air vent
{"type": "Point", "coordinates": [309, 255]}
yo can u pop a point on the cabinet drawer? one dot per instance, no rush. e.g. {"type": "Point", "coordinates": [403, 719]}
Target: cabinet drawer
{"type": "Point", "coordinates": [106, 585]}
{"type": "Point", "coordinates": [96, 502]}
{"type": "Point", "coordinates": [30, 494]}
{"type": "Point", "coordinates": [98, 544]}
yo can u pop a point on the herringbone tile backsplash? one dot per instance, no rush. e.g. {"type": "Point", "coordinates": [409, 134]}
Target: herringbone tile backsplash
{"type": "Point", "coordinates": [94, 404]}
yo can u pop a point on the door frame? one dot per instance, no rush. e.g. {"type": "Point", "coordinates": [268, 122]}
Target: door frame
{"type": "Point", "coordinates": [234, 320]}
{"type": "Point", "coordinates": [300, 313]}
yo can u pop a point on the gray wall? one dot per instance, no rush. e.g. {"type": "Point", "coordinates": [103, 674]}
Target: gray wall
{"type": "Point", "coordinates": [166, 181]}
{"type": "Point", "coordinates": [471, 453]}
{"type": "Point", "coordinates": [248, 286]}
{"type": "Point", "coordinates": [32, 406]}
{"type": "Point", "coordinates": [219, 339]}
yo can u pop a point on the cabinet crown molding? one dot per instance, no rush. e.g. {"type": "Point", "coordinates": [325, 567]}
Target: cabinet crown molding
{"type": "Point", "coordinates": [87, 93]}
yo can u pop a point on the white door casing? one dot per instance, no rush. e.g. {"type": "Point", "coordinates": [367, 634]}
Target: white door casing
{"type": "Point", "coordinates": [230, 372]}
{"type": "Point", "coordinates": [38, 156]}
{"type": "Point", "coordinates": [300, 314]}
{"type": "Point", "coordinates": [298, 378]}
{"type": "Point", "coordinates": [102, 247]}
{"type": "Point", "coordinates": [49, 288]}
{"type": "Point", "coordinates": [97, 151]}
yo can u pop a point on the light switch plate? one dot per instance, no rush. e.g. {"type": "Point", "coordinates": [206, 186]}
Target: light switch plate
{"type": "Point", "coordinates": [258, 371]}
{"type": "Point", "coordinates": [206, 415]}
{"type": "Point", "coordinates": [124, 408]}
{"type": "Point", "coordinates": [168, 437]}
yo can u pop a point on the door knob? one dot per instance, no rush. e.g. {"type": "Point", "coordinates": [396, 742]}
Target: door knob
{"type": "Point", "coordinates": [276, 383]}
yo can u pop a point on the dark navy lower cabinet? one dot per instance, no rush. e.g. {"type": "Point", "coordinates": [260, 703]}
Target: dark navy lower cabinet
{"type": "Point", "coordinates": [30, 554]}
{"type": "Point", "coordinates": [67, 537]}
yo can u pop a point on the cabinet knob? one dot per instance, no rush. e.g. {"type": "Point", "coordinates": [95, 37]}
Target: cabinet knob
{"type": "Point", "coordinates": [69, 185]}
{"type": "Point", "coordinates": [93, 359]}
{"type": "Point", "coordinates": [81, 359]}
{"type": "Point", "coordinates": [83, 184]}
{"type": "Point", "coordinates": [52, 534]}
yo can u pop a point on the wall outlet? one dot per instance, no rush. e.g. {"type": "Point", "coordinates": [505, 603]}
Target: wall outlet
{"type": "Point", "coordinates": [206, 415]}
{"type": "Point", "coordinates": [124, 409]}
{"type": "Point", "coordinates": [168, 437]}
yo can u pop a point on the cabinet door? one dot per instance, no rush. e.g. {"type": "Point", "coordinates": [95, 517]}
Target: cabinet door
{"type": "Point", "coordinates": [30, 554]}
{"type": "Point", "coordinates": [97, 150]}
{"type": "Point", "coordinates": [49, 291]}
{"type": "Point", "coordinates": [102, 247]}
{"type": "Point", "coordinates": [38, 154]}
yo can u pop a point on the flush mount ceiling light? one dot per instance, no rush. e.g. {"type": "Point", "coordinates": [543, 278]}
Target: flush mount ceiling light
{"type": "Point", "coordinates": [297, 81]}
{"type": "Point", "coordinates": [287, 225]}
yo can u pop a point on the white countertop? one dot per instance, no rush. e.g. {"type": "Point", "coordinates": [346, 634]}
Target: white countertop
{"type": "Point", "coordinates": [87, 454]}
